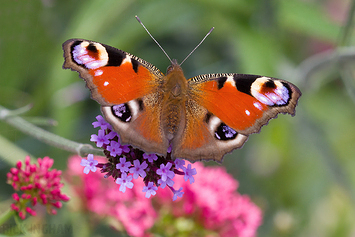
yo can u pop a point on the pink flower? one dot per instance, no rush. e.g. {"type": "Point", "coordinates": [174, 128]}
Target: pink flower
{"type": "Point", "coordinates": [212, 202]}
{"type": "Point", "coordinates": [38, 184]}
{"type": "Point", "coordinates": [103, 196]}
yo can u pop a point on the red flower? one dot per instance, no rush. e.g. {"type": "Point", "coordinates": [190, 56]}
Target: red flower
{"type": "Point", "coordinates": [38, 184]}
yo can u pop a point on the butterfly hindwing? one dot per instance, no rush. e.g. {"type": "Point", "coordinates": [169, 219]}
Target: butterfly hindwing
{"type": "Point", "coordinates": [138, 123]}
{"type": "Point", "coordinates": [205, 136]}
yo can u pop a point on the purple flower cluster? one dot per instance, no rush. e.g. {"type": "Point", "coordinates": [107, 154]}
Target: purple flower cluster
{"type": "Point", "coordinates": [126, 163]}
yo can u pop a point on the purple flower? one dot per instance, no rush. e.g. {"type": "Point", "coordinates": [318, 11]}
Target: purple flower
{"type": "Point", "coordinates": [179, 164]}
{"type": "Point", "coordinates": [177, 193]}
{"type": "Point", "coordinates": [125, 148]}
{"type": "Point", "coordinates": [90, 164]}
{"type": "Point", "coordinates": [168, 182]}
{"type": "Point", "coordinates": [189, 174]}
{"type": "Point", "coordinates": [151, 157]}
{"type": "Point", "coordinates": [111, 135]}
{"type": "Point", "coordinates": [138, 169]}
{"type": "Point", "coordinates": [114, 148]}
{"type": "Point", "coordinates": [101, 122]}
{"type": "Point", "coordinates": [124, 182]}
{"type": "Point", "coordinates": [100, 139]}
{"type": "Point", "coordinates": [165, 171]}
{"type": "Point", "coordinates": [123, 166]}
{"type": "Point", "coordinates": [150, 189]}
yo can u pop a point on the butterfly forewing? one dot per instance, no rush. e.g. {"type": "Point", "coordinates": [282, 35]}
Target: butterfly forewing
{"type": "Point", "coordinates": [244, 102]}
{"type": "Point", "coordinates": [112, 75]}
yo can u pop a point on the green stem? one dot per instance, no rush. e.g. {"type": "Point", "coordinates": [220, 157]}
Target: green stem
{"type": "Point", "coordinates": [6, 216]}
{"type": "Point", "coordinates": [45, 136]}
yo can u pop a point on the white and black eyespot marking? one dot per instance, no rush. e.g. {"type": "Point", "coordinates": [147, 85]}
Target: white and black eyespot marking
{"type": "Point", "coordinates": [89, 54]}
{"type": "Point", "coordinates": [127, 111]}
{"type": "Point", "coordinates": [122, 112]}
{"type": "Point", "coordinates": [93, 55]}
{"type": "Point", "coordinates": [220, 130]}
{"type": "Point", "coordinates": [266, 90]}
{"type": "Point", "coordinates": [271, 92]}
{"type": "Point", "coordinates": [225, 132]}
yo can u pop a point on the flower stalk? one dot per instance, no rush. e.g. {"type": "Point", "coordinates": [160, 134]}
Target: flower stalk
{"type": "Point", "coordinates": [11, 117]}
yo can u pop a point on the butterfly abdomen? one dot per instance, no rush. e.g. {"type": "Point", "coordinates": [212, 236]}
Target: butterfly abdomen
{"type": "Point", "coordinates": [173, 103]}
{"type": "Point", "coordinates": [171, 120]}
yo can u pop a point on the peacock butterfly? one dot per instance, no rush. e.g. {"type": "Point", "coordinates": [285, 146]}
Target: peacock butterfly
{"type": "Point", "coordinates": [201, 118]}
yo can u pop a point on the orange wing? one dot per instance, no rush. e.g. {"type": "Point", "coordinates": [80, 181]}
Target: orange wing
{"type": "Point", "coordinates": [112, 75]}
{"type": "Point", "coordinates": [224, 109]}
{"type": "Point", "coordinates": [244, 102]}
{"type": "Point", "coordinates": [127, 88]}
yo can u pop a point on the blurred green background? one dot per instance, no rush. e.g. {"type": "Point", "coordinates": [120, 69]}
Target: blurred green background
{"type": "Point", "coordinates": [300, 170]}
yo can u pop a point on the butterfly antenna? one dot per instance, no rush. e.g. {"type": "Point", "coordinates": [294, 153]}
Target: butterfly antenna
{"type": "Point", "coordinates": [140, 22]}
{"type": "Point", "coordinates": [209, 32]}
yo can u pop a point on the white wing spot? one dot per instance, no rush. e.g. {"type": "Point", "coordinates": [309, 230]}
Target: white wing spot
{"type": "Point", "coordinates": [106, 83]}
{"type": "Point", "coordinates": [230, 80]}
{"type": "Point", "coordinates": [247, 112]}
{"type": "Point", "coordinates": [127, 59]}
{"type": "Point", "coordinates": [98, 72]}
{"type": "Point", "coordinates": [258, 105]}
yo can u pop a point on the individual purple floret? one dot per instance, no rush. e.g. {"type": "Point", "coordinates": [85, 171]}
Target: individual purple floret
{"type": "Point", "coordinates": [189, 174]}
{"type": "Point", "coordinates": [150, 190]}
{"type": "Point", "coordinates": [90, 164]}
{"type": "Point", "coordinates": [124, 181]}
{"type": "Point", "coordinates": [101, 122]}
